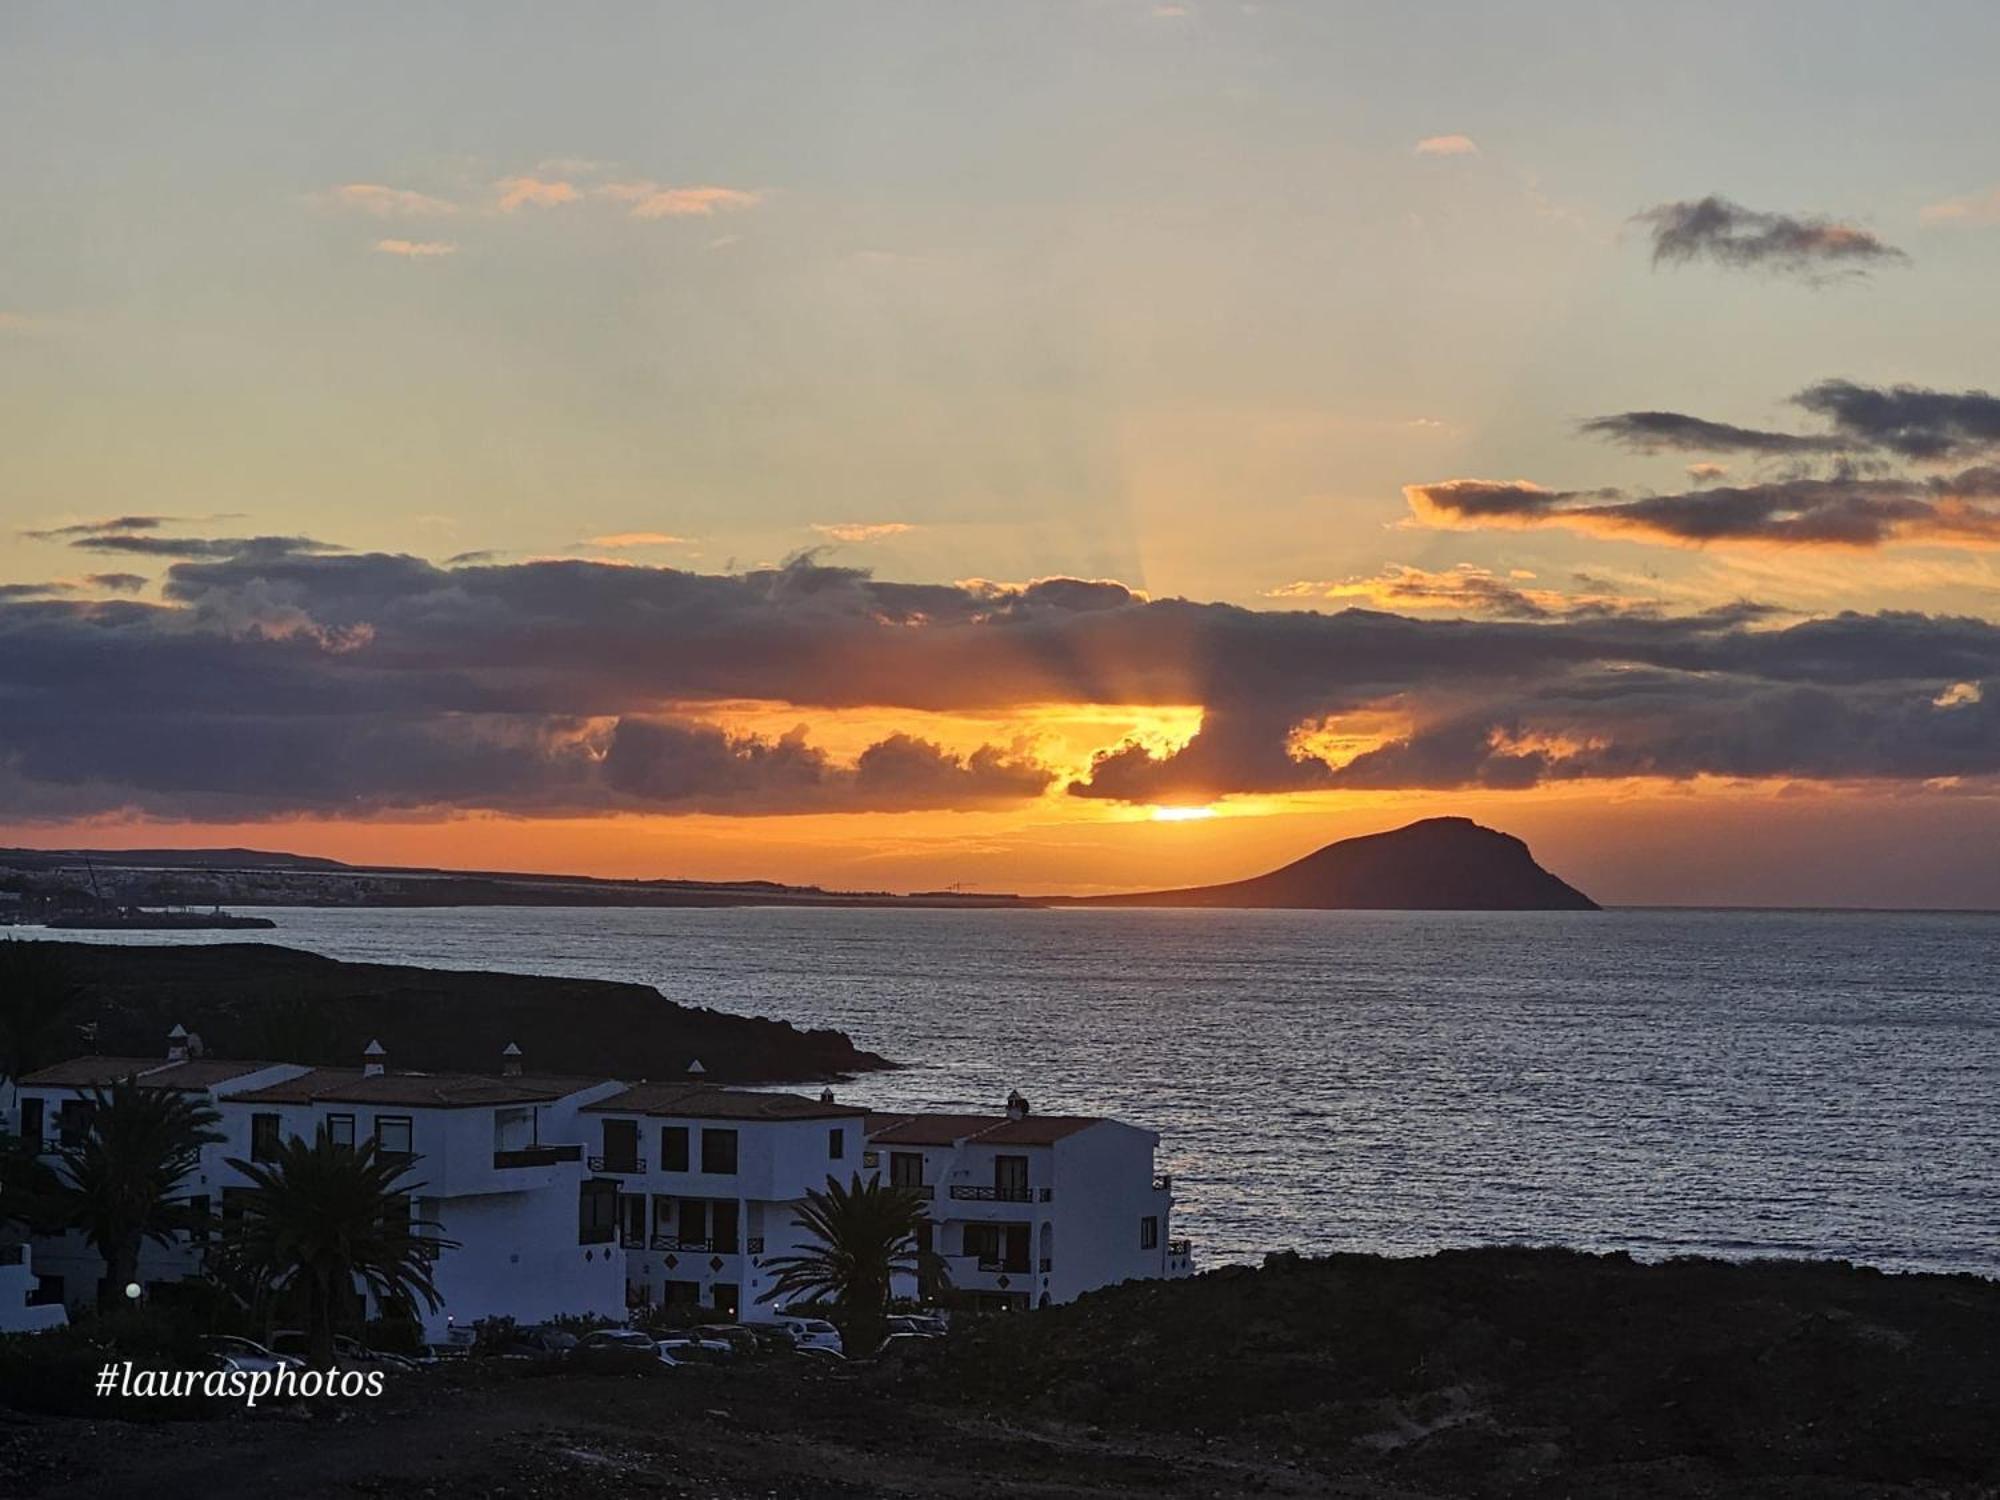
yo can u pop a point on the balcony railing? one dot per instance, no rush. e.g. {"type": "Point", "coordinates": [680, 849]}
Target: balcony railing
{"type": "Point", "coordinates": [976, 1193]}
{"type": "Point", "coordinates": [689, 1246]}
{"type": "Point", "coordinates": [1047, 1265]}
{"type": "Point", "coordinates": [1163, 1182]}
{"type": "Point", "coordinates": [924, 1190]}
{"type": "Point", "coordinates": [618, 1166]}
{"type": "Point", "coordinates": [630, 1240]}
{"type": "Point", "coordinates": [755, 1244]}
{"type": "Point", "coordinates": [536, 1156]}
{"type": "Point", "coordinates": [1180, 1249]}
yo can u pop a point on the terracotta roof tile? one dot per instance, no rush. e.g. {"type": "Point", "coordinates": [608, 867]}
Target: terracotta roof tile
{"type": "Point", "coordinates": [154, 1072]}
{"type": "Point", "coordinates": [695, 1101]}
{"type": "Point", "coordinates": [416, 1090]}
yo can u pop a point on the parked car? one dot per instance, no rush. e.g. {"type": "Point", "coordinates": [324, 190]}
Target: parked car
{"type": "Point", "coordinates": [609, 1345]}
{"type": "Point", "coordinates": [811, 1333]}
{"type": "Point", "coordinates": [740, 1339]}
{"type": "Point", "coordinates": [917, 1325]}
{"type": "Point", "coordinates": [346, 1351]}
{"type": "Point", "coordinates": [233, 1353]}
{"type": "Point", "coordinates": [693, 1351]}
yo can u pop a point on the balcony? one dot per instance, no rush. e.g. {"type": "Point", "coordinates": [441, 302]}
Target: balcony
{"type": "Point", "coordinates": [628, 1240]}
{"type": "Point", "coordinates": [975, 1193]}
{"type": "Point", "coordinates": [677, 1245]}
{"type": "Point", "coordinates": [618, 1166]}
{"type": "Point", "coordinates": [1163, 1182]}
{"type": "Point", "coordinates": [536, 1156]}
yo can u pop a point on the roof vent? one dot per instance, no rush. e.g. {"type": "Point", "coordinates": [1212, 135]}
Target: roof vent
{"type": "Point", "coordinates": [826, 1096]}
{"type": "Point", "coordinates": [1017, 1107]}
{"type": "Point", "coordinates": [510, 1060]}
{"type": "Point", "coordinates": [177, 1043]}
{"type": "Point", "coordinates": [372, 1060]}
{"type": "Point", "coordinates": [696, 1070]}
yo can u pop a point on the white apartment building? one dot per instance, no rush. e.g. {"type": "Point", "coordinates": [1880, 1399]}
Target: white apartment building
{"type": "Point", "coordinates": [574, 1195]}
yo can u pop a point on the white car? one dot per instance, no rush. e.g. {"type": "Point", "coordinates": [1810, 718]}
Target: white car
{"type": "Point", "coordinates": [812, 1333]}
{"type": "Point", "coordinates": [232, 1353]}
{"type": "Point", "coordinates": [693, 1349]}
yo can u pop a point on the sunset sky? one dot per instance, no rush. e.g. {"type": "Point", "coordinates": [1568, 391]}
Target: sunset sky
{"type": "Point", "coordinates": [1076, 445]}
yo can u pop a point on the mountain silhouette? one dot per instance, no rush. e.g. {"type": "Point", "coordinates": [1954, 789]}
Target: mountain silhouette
{"type": "Point", "coordinates": [1438, 864]}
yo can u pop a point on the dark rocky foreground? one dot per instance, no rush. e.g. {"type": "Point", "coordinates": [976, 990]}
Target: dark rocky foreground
{"type": "Point", "coordinates": [261, 1000]}
{"type": "Point", "coordinates": [1474, 1373]}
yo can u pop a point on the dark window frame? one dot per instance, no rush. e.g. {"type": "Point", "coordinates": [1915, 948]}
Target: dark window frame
{"type": "Point", "coordinates": [674, 1148]}
{"type": "Point", "coordinates": [267, 1135]}
{"type": "Point", "coordinates": [409, 1131]}
{"type": "Point", "coordinates": [836, 1144]}
{"type": "Point", "coordinates": [333, 1133]}
{"type": "Point", "coordinates": [1149, 1232]}
{"type": "Point", "coordinates": [725, 1143]}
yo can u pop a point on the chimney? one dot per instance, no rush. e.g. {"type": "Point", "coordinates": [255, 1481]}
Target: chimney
{"type": "Point", "coordinates": [826, 1096]}
{"type": "Point", "coordinates": [510, 1060]}
{"type": "Point", "coordinates": [696, 1071]}
{"type": "Point", "coordinates": [1017, 1107]}
{"type": "Point", "coordinates": [177, 1043]}
{"type": "Point", "coordinates": [372, 1064]}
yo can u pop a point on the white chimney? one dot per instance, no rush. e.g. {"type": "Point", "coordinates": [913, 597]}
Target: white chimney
{"type": "Point", "coordinates": [510, 1060]}
{"type": "Point", "coordinates": [1017, 1107]}
{"type": "Point", "coordinates": [177, 1043]}
{"type": "Point", "coordinates": [696, 1070]}
{"type": "Point", "coordinates": [372, 1064]}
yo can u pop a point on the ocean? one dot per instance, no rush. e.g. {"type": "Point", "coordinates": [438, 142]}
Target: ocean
{"type": "Point", "coordinates": [1665, 1082]}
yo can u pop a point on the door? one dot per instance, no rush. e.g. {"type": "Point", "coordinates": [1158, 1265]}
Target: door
{"type": "Point", "coordinates": [694, 1223]}
{"type": "Point", "coordinates": [723, 1216]}
{"type": "Point", "coordinates": [1010, 1178]}
{"type": "Point", "coordinates": [1015, 1257]}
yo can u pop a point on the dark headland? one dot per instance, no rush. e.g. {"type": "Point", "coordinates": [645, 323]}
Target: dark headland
{"type": "Point", "coordinates": [1438, 864]}
{"type": "Point", "coordinates": [260, 1000]}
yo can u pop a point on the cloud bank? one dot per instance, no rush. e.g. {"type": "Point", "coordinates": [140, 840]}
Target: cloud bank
{"type": "Point", "coordinates": [1728, 234]}
{"type": "Point", "coordinates": [271, 679]}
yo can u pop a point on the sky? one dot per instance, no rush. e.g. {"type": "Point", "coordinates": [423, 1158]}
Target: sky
{"type": "Point", "coordinates": [1073, 446]}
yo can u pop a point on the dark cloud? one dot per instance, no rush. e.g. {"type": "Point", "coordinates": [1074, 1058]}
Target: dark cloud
{"type": "Point", "coordinates": [274, 682]}
{"type": "Point", "coordinates": [1654, 431]}
{"type": "Point", "coordinates": [251, 547]}
{"type": "Point", "coordinates": [116, 583]}
{"type": "Point", "coordinates": [93, 528]}
{"type": "Point", "coordinates": [1716, 229]}
{"type": "Point", "coordinates": [1845, 512]}
{"type": "Point", "coordinates": [1908, 420]}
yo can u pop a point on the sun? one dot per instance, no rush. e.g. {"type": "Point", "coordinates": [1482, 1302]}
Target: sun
{"type": "Point", "coordinates": [1181, 814]}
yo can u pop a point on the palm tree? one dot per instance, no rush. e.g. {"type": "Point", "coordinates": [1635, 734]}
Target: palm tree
{"type": "Point", "coordinates": [864, 1234]}
{"type": "Point", "coordinates": [37, 991]}
{"type": "Point", "coordinates": [140, 1146]}
{"type": "Point", "coordinates": [321, 1215]}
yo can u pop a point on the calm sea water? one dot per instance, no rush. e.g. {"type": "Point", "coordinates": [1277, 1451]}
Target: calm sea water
{"type": "Point", "coordinates": [1666, 1082]}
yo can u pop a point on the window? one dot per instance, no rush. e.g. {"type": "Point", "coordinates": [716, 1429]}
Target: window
{"type": "Point", "coordinates": [340, 1130]}
{"type": "Point", "coordinates": [392, 1135]}
{"type": "Point", "coordinates": [836, 1144]}
{"type": "Point", "coordinates": [31, 1120]}
{"type": "Point", "coordinates": [906, 1168]}
{"type": "Point", "coordinates": [983, 1240]}
{"type": "Point", "coordinates": [73, 1122]}
{"type": "Point", "coordinates": [1149, 1233]}
{"type": "Point", "coordinates": [718, 1152]}
{"type": "Point", "coordinates": [673, 1148]}
{"type": "Point", "coordinates": [264, 1137]}
{"type": "Point", "coordinates": [1010, 1178]}
{"type": "Point", "coordinates": [596, 1211]}
{"type": "Point", "coordinates": [198, 1217]}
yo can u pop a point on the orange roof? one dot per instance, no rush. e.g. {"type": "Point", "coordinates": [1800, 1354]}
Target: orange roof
{"type": "Point", "coordinates": [983, 1130]}
{"type": "Point", "coordinates": [193, 1075]}
{"type": "Point", "coordinates": [416, 1090]}
{"type": "Point", "coordinates": [694, 1101]}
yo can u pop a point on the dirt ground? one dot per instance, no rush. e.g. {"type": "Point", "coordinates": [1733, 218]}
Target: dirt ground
{"type": "Point", "coordinates": [771, 1432]}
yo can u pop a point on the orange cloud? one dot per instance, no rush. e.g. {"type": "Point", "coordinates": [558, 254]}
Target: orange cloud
{"type": "Point", "coordinates": [416, 249]}
{"type": "Point", "coordinates": [1447, 145]}
{"type": "Point", "coordinates": [386, 202]}
{"type": "Point", "coordinates": [862, 531]}
{"type": "Point", "coordinates": [1465, 589]}
{"type": "Point", "coordinates": [617, 539]}
{"type": "Point", "coordinates": [651, 200]}
{"type": "Point", "coordinates": [1969, 208]}
{"type": "Point", "coordinates": [521, 192]}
